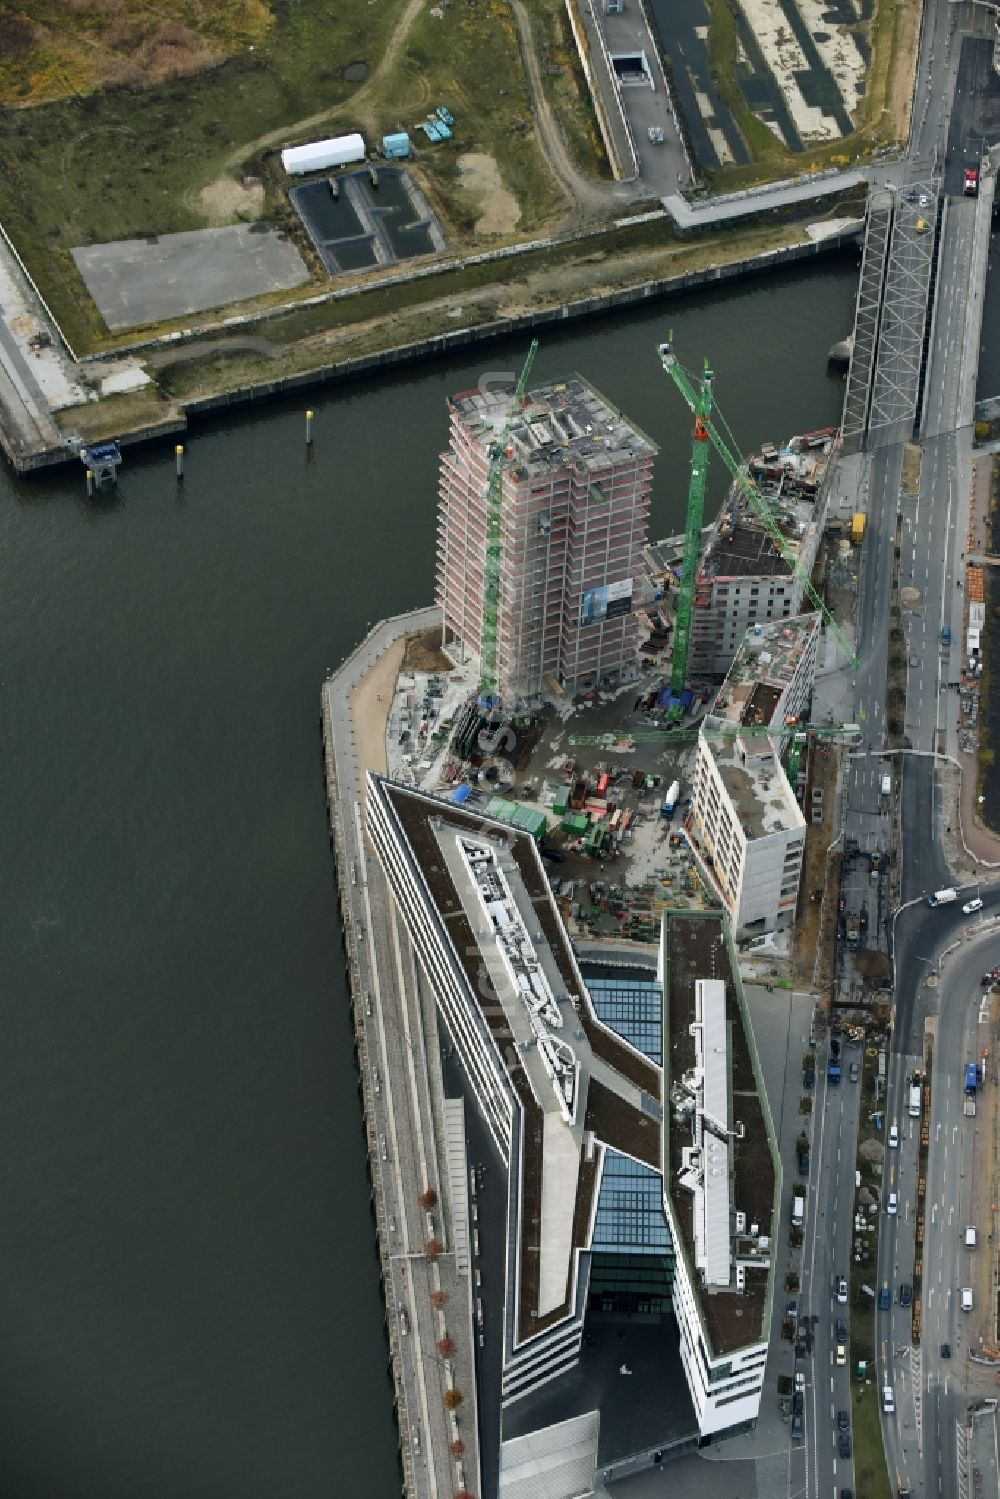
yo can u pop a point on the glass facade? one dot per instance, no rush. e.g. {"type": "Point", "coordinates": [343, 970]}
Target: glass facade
{"type": "Point", "coordinates": [632, 1006]}
{"type": "Point", "coordinates": [633, 1259]}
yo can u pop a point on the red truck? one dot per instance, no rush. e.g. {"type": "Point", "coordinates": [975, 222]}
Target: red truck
{"type": "Point", "coordinates": [970, 182]}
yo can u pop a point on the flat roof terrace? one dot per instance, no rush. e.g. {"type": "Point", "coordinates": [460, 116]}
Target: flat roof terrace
{"type": "Point", "coordinates": [756, 786]}
{"type": "Point", "coordinates": [620, 1088]}
{"type": "Point", "coordinates": [697, 946]}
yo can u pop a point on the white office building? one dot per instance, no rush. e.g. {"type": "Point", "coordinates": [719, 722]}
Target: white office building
{"type": "Point", "coordinates": [747, 829]}
{"type": "Point", "coordinates": [721, 1173]}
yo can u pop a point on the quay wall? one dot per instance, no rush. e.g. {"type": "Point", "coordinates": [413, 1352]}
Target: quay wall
{"type": "Point", "coordinates": [461, 338]}
{"type": "Point", "coordinates": [546, 317]}
{"type": "Point", "coordinates": [383, 634]}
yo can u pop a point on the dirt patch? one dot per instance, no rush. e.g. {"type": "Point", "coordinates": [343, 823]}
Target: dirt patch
{"type": "Point", "coordinates": [480, 177]}
{"type": "Point", "coordinates": [912, 454]}
{"type": "Point", "coordinates": [370, 703]}
{"type": "Point", "coordinates": [872, 964]}
{"type": "Point", "coordinates": [423, 651]}
{"type": "Point", "coordinates": [226, 200]}
{"type": "Point", "coordinates": [903, 67]}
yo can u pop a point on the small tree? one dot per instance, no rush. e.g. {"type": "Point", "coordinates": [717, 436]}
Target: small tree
{"type": "Point", "coordinates": [453, 1399]}
{"type": "Point", "coordinates": [433, 1248]}
{"type": "Point", "coordinates": [446, 1347]}
{"type": "Point", "coordinates": [438, 1298]}
{"type": "Point", "coordinates": [457, 1447]}
{"type": "Point", "coordinates": [428, 1199]}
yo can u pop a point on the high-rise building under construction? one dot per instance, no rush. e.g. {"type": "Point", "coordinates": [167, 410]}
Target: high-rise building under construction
{"type": "Point", "coordinates": [573, 524]}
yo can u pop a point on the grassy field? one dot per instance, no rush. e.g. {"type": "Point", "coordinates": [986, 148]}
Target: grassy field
{"type": "Point", "coordinates": [124, 163]}
{"type": "Point", "coordinates": [60, 49]}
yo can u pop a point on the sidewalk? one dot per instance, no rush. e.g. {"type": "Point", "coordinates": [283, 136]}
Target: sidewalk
{"type": "Point", "coordinates": [980, 843]}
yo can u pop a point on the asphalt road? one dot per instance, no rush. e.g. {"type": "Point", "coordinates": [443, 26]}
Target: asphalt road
{"type": "Point", "coordinates": [829, 1206]}
{"type": "Point", "coordinates": [932, 1392]}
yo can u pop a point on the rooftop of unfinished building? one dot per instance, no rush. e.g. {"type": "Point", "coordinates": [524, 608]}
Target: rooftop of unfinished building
{"type": "Point", "coordinates": [789, 481]}
{"type": "Point", "coordinates": [566, 423]}
{"type": "Point", "coordinates": [697, 946]}
{"type": "Point", "coordinates": [756, 785]}
{"type": "Point", "coordinates": [764, 666]}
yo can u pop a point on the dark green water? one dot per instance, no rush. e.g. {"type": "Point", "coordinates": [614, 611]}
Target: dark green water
{"type": "Point", "coordinates": [189, 1303]}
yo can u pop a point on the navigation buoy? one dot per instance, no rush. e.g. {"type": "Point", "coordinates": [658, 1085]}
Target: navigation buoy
{"type": "Point", "coordinates": [309, 428]}
{"type": "Point", "coordinates": [179, 459]}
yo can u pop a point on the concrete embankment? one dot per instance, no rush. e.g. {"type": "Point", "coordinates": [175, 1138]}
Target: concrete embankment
{"type": "Point", "coordinates": [545, 317]}
{"type": "Point", "coordinates": [428, 1298]}
{"type": "Point", "coordinates": [466, 338]}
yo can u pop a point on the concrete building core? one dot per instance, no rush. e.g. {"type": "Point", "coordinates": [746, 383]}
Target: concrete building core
{"type": "Point", "coordinates": [743, 579]}
{"type": "Point", "coordinates": [772, 676]}
{"type": "Point", "coordinates": [576, 486]}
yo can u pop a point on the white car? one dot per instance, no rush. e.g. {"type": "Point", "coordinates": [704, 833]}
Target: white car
{"type": "Point", "coordinates": [893, 1136]}
{"type": "Point", "coordinates": [892, 1206]}
{"type": "Point", "coordinates": [888, 1400]}
{"type": "Point", "coordinates": [972, 905]}
{"type": "Point", "coordinates": [924, 200]}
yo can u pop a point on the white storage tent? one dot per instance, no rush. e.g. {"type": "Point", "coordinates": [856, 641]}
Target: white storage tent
{"type": "Point", "coordinates": [337, 151]}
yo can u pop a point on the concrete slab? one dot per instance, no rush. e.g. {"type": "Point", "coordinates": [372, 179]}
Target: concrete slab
{"type": "Point", "coordinates": [136, 281]}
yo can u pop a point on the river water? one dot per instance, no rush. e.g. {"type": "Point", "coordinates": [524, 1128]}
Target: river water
{"type": "Point", "coordinates": [189, 1300]}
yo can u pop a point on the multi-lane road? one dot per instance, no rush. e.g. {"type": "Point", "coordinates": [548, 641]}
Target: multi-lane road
{"type": "Point", "coordinates": [933, 1388]}
{"type": "Point", "coordinates": [936, 259]}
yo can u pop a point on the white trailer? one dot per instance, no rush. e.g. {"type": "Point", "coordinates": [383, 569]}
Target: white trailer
{"type": "Point", "coordinates": [317, 156]}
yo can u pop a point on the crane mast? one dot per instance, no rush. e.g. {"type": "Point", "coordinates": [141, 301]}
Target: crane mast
{"type": "Point", "coordinates": [701, 405]}
{"type": "Point", "coordinates": [488, 675]}
{"type": "Point", "coordinates": [742, 478]}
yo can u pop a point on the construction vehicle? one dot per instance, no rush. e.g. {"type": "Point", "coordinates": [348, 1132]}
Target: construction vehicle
{"type": "Point", "coordinates": [491, 569]}
{"type": "Point", "coordinates": [697, 404]}
{"type": "Point", "coordinates": [700, 402]}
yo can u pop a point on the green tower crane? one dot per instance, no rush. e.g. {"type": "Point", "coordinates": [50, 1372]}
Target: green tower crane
{"type": "Point", "coordinates": [702, 409]}
{"type": "Point", "coordinates": [491, 568]}
{"type": "Point", "coordinates": [742, 478]}
{"type": "Point", "coordinates": [799, 732]}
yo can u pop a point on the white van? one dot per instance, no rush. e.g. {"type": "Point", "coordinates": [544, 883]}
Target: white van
{"type": "Point", "coordinates": [966, 1298]}
{"type": "Point", "coordinates": [798, 1211]}
{"type": "Point", "coordinates": [970, 1236]}
{"type": "Point", "coordinates": [942, 897]}
{"type": "Point", "coordinates": [887, 785]}
{"type": "Point", "coordinates": [914, 1100]}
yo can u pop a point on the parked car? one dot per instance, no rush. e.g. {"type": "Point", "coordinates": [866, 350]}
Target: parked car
{"type": "Point", "coordinates": [844, 1444]}
{"type": "Point", "coordinates": [893, 1136]}
{"type": "Point", "coordinates": [905, 1294]}
{"type": "Point", "coordinates": [843, 1421]}
{"type": "Point", "coordinates": [855, 1072]}
{"type": "Point", "coordinates": [842, 1289]}
{"type": "Point", "coordinates": [798, 1432]}
{"type": "Point", "coordinates": [798, 1403]}
{"type": "Point", "coordinates": [841, 1330]}
{"type": "Point", "coordinates": [841, 1355]}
